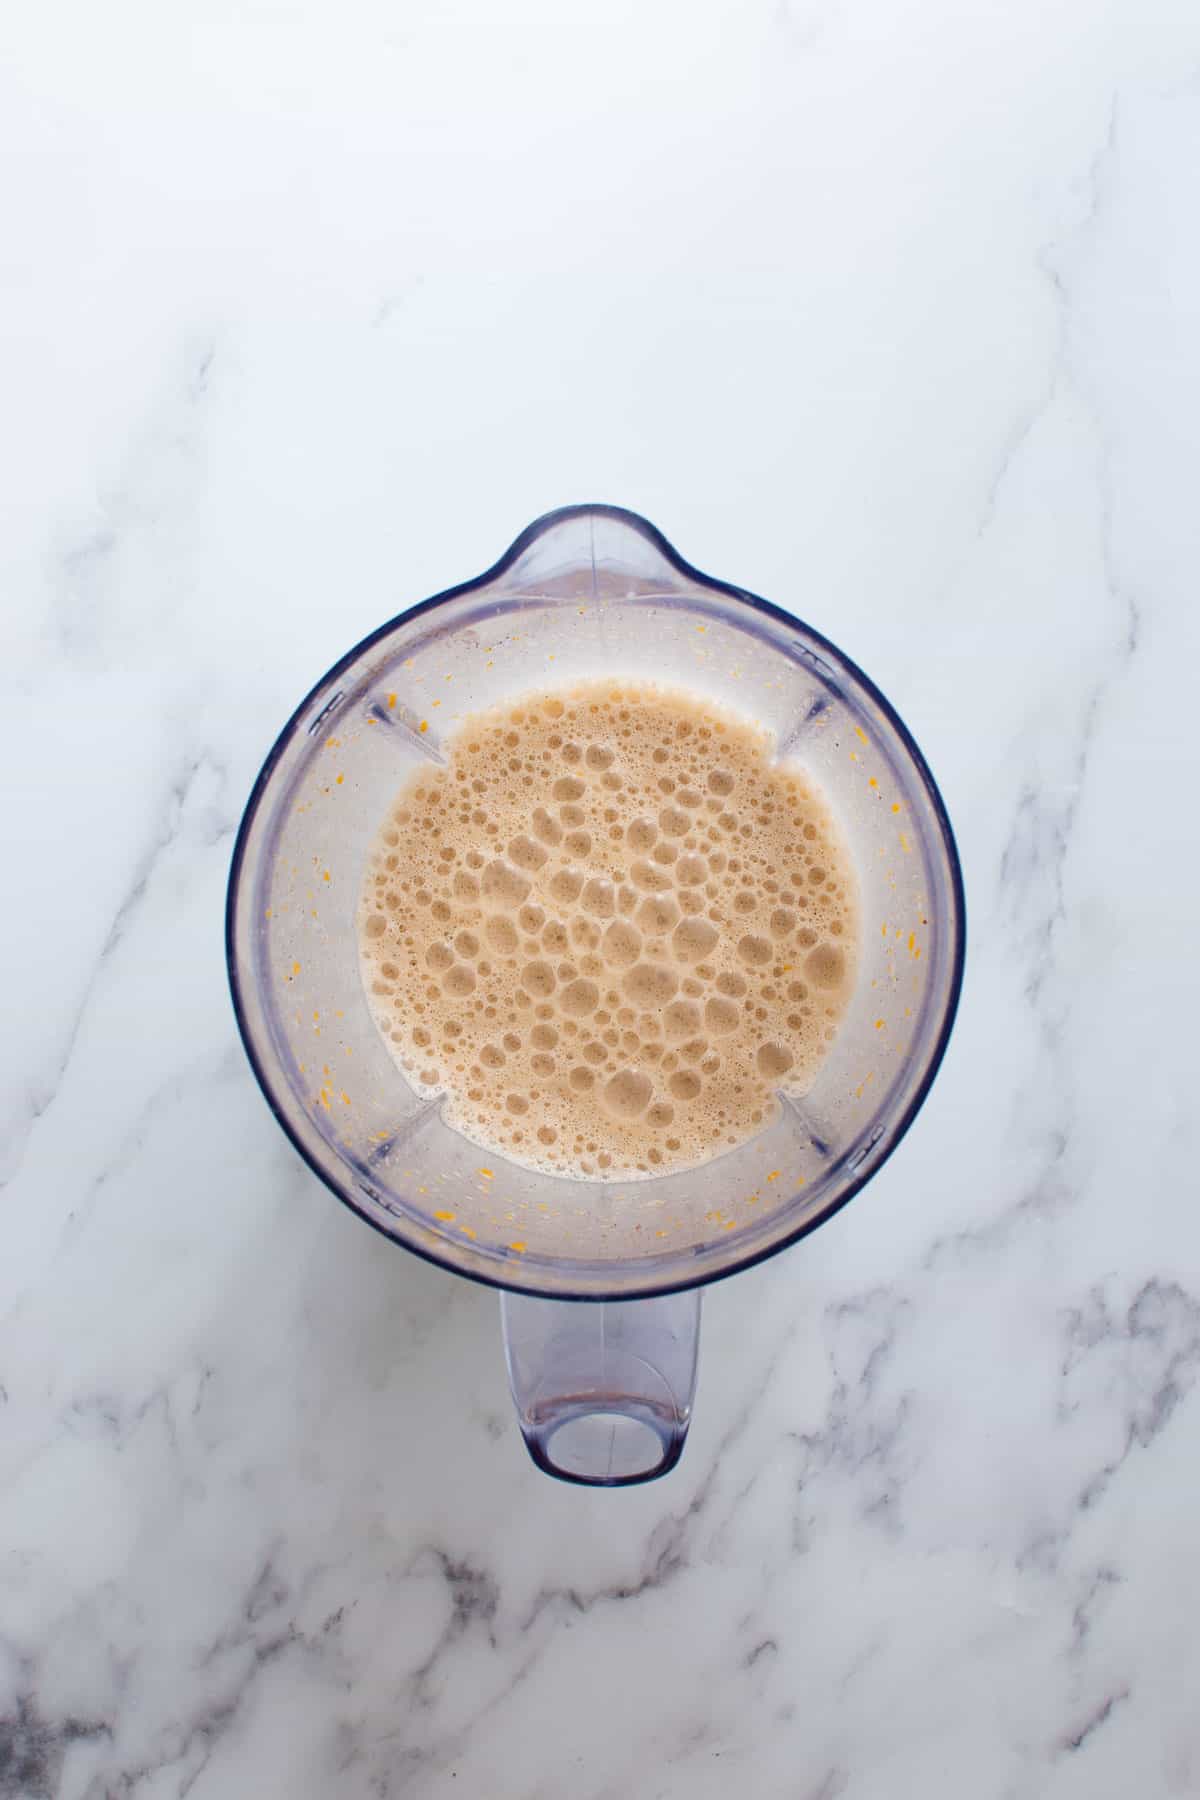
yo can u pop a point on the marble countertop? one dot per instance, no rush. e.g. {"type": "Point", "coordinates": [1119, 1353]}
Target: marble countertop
{"type": "Point", "coordinates": [887, 311]}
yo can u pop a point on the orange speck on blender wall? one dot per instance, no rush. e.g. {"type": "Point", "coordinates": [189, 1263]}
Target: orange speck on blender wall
{"type": "Point", "coordinates": [326, 876]}
{"type": "Point", "coordinates": [775, 1174]}
{"type": "Point", "coordinates": [391, 701]}
{"type": "Point", "coordinates": [879, 1024]}
{"type": "Point", "coordinates": [860, 733]}
{"type": "Point", "coordinates": [486, 1173]}
{"type": "Point", "coordinates": [295, 968]}
{"type": "Point", "coordinates": [872, 782]}
{"type": "Point", "coordinates": [895, 806]}
{"type": "Point", "coordinates": [424, 724]}
{"type": "Point", "coordinates": [518, 1244]}
{"type": "Point", "coordinates": [446, 1217]}
{"type": "Point", "coordinates": [340, 780]}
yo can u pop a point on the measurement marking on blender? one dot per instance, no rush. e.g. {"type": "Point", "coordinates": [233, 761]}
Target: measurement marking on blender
{"type": "Point", "coordinates": [856, 1161]}
{"type": "Point", "coordinates": [325, 711]}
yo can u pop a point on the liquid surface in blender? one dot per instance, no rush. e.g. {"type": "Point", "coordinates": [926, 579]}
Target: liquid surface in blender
{"type": "Point", "coordinates": [611, 930]}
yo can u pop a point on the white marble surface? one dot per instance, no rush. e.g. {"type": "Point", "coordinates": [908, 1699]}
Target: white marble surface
{"type": "Point", "coordinates": [887, 309]}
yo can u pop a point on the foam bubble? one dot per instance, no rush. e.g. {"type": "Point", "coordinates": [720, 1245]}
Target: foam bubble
{"type": "Point", "coordinates": [826, 965]}
{"type": "Point", "coordinates": [628, 1093]}
{"type": "Point", "coordinates": [546, 828]}
{"type": "Point", "coordinates": [501, 934]}
{"type": "Point", "coordinates": [685, 1084]}
{"type": "Point", "coordinates": [526, 853]}
{"type": "Point", "coordinates": [579, 998]}
{"type": "Point", "coordinates": [504, 883]}
{"type": "Point", "coordinates": [693, 939]}
{"type": "Point", "coordinates": [657, 914]}
{"type": "Point", "coordinates": [538, 978]}
{"type": "Point", "coordinates": [721, 1015]}
{"type": "Point", "coordinates": [649, 876]}
{"type": "Point", "coordinates": [650, 984]}
{"type": "Point", "coordinates": [621, 944]}
{"type": "Point", "coordinates": [566, 885]}
{"type": "Point", "coordinates": [599, 897]}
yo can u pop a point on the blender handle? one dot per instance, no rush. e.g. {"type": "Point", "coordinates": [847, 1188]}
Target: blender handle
{"type": "Point", "coordinates": [603, 1389]}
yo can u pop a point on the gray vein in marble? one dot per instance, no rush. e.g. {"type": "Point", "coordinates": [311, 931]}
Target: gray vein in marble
{"type": "Point", "coordinates": [829, 1787]}
{"type": "Point", "coordinates": [474, 1601]}
{"type": "Point", "coordinates": [1030, 880]}
{"type": "Point", "coordinates": [1021, 434]}
{"type": "Point", "coordinates": [1100, 1583]}
{"type": "Point", "coordinates": [83, 571]}
{"type": "Point", "coordinates": [860, 1434]}
{"type": "Point", "coordinates": [172, 811]}
{"type": "Point", "coordinates": [1155, 1347]}
{"type": "Point", "coordinates": [1076, 1739]}
{"type": "Point", "coordinates": [33, 1748]}
{"type": "Point", "coordinates": [237, 1658]}
{"type": "Point", "coordinates": [1128, 1371]}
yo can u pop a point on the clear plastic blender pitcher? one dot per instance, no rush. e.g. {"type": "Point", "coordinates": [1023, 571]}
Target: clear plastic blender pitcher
{"type": "Point", "coordinates": [601, 1280]}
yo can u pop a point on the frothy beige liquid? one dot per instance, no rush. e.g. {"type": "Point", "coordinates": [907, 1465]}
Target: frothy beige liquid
{"type": "Point", "coordinates": [610, 931]}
